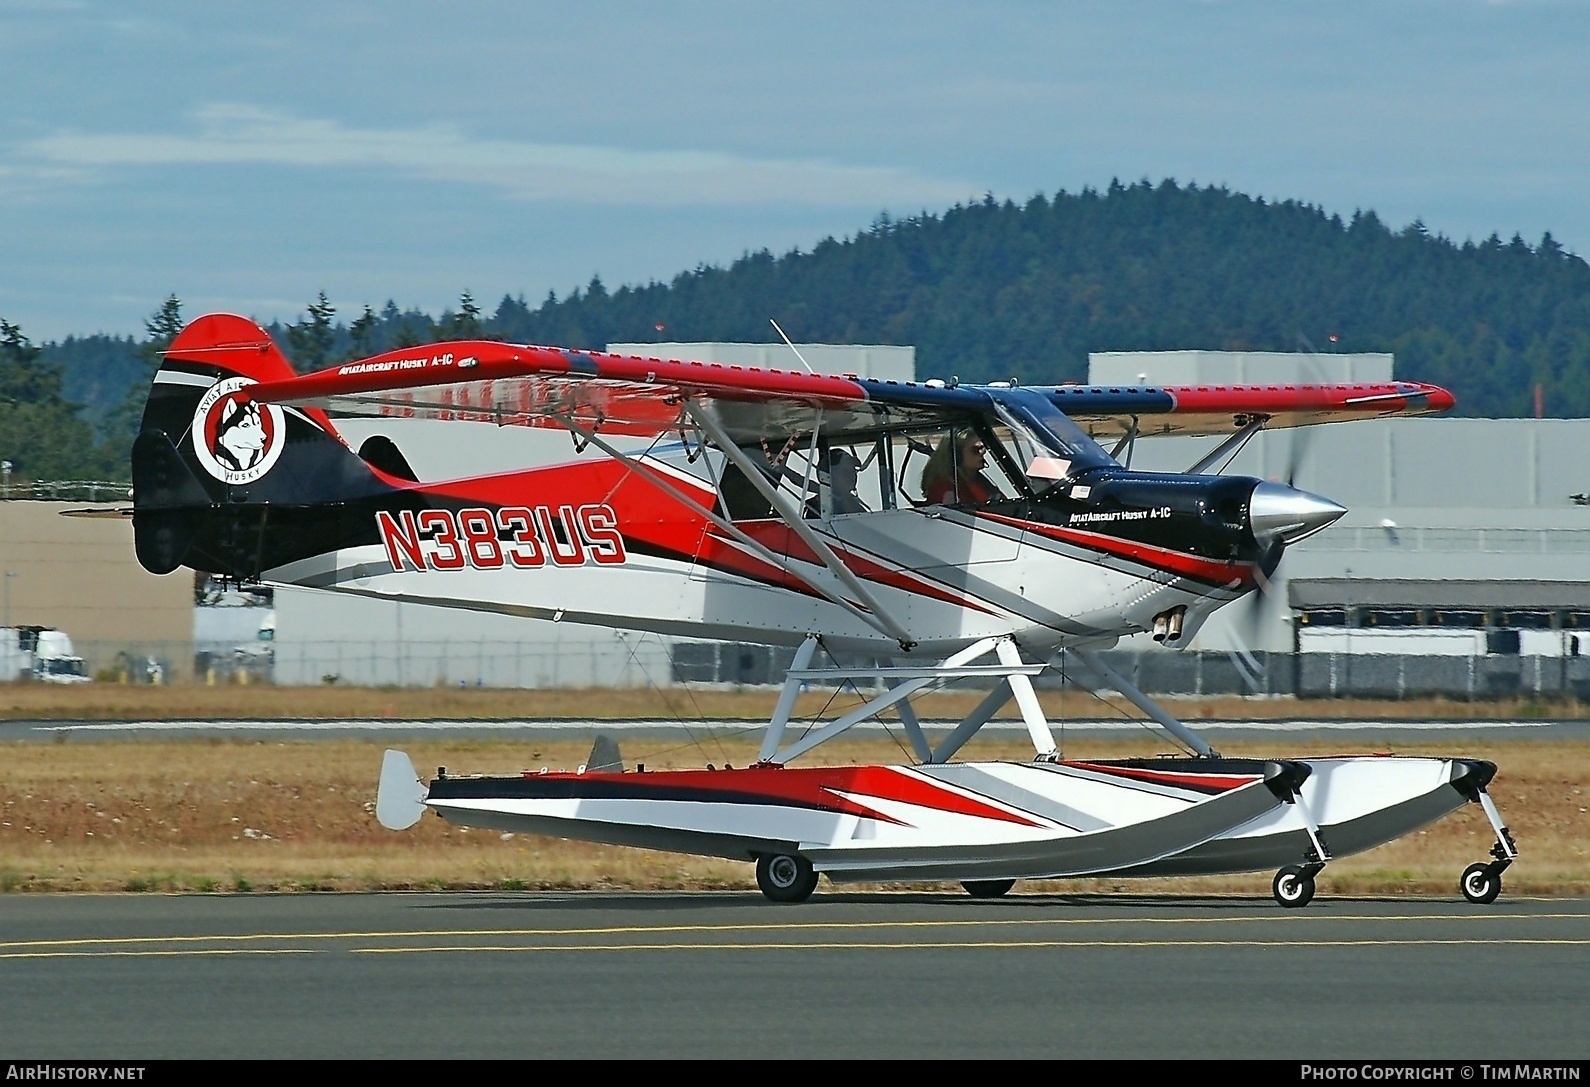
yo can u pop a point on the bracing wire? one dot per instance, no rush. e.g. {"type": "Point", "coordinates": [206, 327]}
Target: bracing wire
{"type": "Point", "coordinates": [700, 717]}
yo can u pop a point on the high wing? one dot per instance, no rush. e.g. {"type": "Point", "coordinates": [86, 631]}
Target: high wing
{"type": "Point", "coordinates": [512, 384]}
{"type": "Point", "coordinates": [1221, 409]}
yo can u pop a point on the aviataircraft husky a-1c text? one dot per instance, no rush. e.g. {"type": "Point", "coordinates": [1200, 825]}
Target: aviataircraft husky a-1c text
{"type": "Point", "coordinates": [951, 531]}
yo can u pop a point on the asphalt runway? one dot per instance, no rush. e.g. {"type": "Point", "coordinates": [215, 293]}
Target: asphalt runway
{"type": "Point", "coordinates": [843, 975]}
{"type": "Point", "coordinates": [1348, 731]}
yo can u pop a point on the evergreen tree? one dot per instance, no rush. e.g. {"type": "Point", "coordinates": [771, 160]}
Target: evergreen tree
{"type": "Point", "coordinates": [162, 326]}
{"type": "Point", "coordinates": [463, 325]}
{"type": "Point", "coordinates": [362, 333]}
{"type": "Point", "coordinates": [467, 324]}
{"type": "Point", "coordinates": [311, 340]}
{"type": "Point", "coordinates": [41, 433]}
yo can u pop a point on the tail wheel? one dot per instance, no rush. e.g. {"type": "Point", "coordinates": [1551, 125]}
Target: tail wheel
{"type": "Point", "coordinates": [1293, 887]}
{"type": "Point", "coordinates": [785, 877]}
{"type": "Point", "coordinates": [1480, 884]}
{"type": "Point", "coordinates": [988, 888]}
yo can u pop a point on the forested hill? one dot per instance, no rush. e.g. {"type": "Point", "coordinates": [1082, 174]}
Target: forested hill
{"type": "Point", "coordinates": [994, 289]}
{"type": "Point", "coordinates": [985, 291]}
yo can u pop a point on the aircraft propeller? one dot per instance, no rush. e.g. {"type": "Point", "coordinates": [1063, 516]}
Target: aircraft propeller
{"type": "Point", "coordinates": [1321, 512]}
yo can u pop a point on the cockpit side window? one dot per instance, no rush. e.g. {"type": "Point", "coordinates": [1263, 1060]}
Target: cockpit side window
{"type": "Point", "coordinates": [960, 465]}
{"type": "Point", "coordinates": [1015, 445]}
{"type": "Point", "coordinates": [820, 479]}
{"type": "Point", "coordinates": [853, 477]}
{"type": "Point", "coordinates": [738, 498]}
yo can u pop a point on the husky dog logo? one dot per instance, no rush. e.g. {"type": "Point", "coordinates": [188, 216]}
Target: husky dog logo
{"type": "Point", "coordinates": [235, 439]}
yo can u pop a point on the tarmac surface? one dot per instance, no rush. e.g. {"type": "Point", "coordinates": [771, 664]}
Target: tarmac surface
{"type": "Point", "coordinates": [1349, 731]}
{"type": "Point", "coordinates": [846, 974]}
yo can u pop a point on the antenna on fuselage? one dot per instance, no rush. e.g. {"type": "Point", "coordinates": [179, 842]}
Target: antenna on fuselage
{"type": "Point", "coordinates": [792, 347]}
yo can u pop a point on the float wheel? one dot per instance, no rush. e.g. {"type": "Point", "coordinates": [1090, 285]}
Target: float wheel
{"type": "Point", "coordinates": [785, 877]}
{"type": "Point", "coordinates": [1293, 887]}
{"type": "Point", "coordinates": [988, 888]}
{"type": "Point", "coordinates": [1481, 883]}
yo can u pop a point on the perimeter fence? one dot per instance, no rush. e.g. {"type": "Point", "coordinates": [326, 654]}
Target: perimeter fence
{"type": "Point", "coordinates": [628, 660]}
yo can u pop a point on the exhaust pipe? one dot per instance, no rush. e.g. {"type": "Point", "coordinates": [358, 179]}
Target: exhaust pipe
{"type": "Point", "coordinates": [1167, 624]}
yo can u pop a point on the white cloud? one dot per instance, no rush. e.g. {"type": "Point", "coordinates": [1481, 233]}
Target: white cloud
{"type": "Point", "coordinates": [238, 134]}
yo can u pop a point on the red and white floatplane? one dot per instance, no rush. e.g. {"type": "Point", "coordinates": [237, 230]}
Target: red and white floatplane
{"type": "Point", "coordinates": [913, 534]}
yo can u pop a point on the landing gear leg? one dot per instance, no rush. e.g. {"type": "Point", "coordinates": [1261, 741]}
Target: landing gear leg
{"type": "Point", "coordinates": [1482, 882]}
{"type": "Point", "coordinates": [1293, 886]}
{"type": "Point", "coordinates": [785, 877]}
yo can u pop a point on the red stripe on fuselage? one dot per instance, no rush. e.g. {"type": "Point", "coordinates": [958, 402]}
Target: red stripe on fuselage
{"type": "Point", "coordinates": [651, 517]}
{"type": "Point", "coordinates": [1213, 571]}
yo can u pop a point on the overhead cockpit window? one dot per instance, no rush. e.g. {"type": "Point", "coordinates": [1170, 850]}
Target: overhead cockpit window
{"type": "Point", "coordinates": [1047, 445]}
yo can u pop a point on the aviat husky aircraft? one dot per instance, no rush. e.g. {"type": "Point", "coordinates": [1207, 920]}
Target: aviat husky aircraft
{"type": "Point", "coordinates": [957, 531]}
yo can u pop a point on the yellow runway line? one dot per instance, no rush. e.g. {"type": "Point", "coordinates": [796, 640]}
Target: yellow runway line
{"type": "Point", "coordinates": [943, 945]}
{"type": "Point", "coordinates": [803, 926]}
{"type": "Point", "coordinates": [827, 945]}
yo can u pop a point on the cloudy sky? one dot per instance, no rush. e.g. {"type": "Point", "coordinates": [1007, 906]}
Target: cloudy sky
{"type": "Point", "coordinates": [246, 156]}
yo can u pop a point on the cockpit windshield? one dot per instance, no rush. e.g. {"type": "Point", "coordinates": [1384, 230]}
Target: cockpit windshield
{"type": "Point", "coordinates": [1048, 446]}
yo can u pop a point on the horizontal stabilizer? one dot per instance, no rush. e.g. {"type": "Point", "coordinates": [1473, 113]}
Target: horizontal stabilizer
{"type": "Point", "coordinates": [400, 798]}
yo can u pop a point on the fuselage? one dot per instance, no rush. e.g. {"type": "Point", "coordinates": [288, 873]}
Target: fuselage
{"type": "Point", "coordinates": [595, 541]}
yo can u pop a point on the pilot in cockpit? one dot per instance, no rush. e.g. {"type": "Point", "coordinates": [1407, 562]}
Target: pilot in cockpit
{"type": "Point", "coordinates": [954, 475]}
{"type": "Point", "coordinates": [843, 469]}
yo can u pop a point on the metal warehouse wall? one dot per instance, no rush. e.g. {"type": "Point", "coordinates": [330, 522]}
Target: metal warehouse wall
{"type": "Point", "coordinates": [1235, 367]}
{"type": "Point", "coordinates": [81, 576]}
{"type": "Point", "coordinates": [359, 640]}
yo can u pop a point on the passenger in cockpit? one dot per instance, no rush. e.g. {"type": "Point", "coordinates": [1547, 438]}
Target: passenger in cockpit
{"type": "Point", "coordinates": [953, 475]}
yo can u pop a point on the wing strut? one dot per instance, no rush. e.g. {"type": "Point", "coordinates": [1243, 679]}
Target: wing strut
{"type": "Point", "coordinates": [793, 519]}
{"type": "Point", "coordinates": [1231, 444]}
{"type": "Point", "coordinates": [1128, 442]}
{"type": "Point", "coordinates": [777, 561]}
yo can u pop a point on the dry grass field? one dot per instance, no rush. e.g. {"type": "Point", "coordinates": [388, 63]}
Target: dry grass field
{"type": "Point", "coordinates": [124, 702]}
{"type": "Point", "coordinates": [236, 816]}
